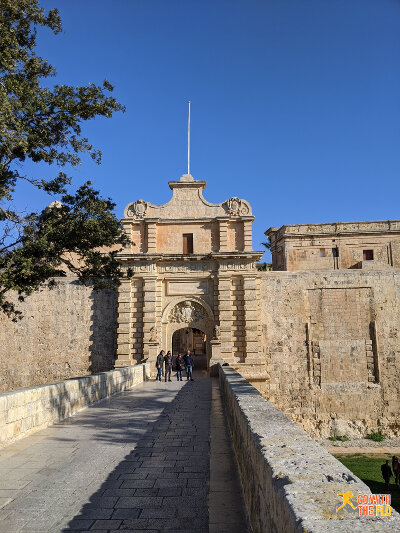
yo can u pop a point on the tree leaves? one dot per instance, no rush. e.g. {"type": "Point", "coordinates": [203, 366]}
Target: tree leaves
{"type": "Point", "coordinates": [43, 125]}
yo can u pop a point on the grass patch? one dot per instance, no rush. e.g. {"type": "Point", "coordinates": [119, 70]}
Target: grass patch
{"type": "Point", "coordinates": [377, 436]}
{"type": "Point", "coordinates": [341, 438]}
{"type": "Point", "coordinates": [368, 469]}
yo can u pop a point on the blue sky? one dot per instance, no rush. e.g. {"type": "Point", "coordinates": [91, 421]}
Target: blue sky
{"type": "Point", "coordinates": [295, 103]}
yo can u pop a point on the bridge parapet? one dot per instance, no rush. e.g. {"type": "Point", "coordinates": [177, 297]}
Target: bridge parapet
{"type": "Point", "coordinates": [24, 411]}
{"type": "Point", "coordinates": [290, 483]}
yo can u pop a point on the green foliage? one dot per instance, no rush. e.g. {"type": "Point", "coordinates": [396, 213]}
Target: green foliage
{"type": "Point", "coordinates": [368, 469]}
{"type": "Point", "coordinates": [377, 436]}
{"type": "Point", "coordinates": [263, 267]}
{"type": "Point", "coordinates": [43, 125]}
{"type": "Point", "coordinates": [341, 438]}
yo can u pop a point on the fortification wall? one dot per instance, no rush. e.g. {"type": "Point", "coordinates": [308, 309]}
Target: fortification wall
{"type": "Point", "coordinates": [67, 331]}
{"type": "Point", "coordinates": [331, 345]}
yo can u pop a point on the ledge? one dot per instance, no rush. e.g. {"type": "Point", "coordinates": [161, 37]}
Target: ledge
{"type": "Point", "coordinates": [290, 483]}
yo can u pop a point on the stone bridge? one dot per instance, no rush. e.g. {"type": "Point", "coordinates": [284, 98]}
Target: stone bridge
{"type": "Point", "coordinates": [138, 455]}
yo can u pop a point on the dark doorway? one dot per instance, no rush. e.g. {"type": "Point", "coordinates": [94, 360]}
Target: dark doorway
{"type": "Point", "coordinates": [194, 340]}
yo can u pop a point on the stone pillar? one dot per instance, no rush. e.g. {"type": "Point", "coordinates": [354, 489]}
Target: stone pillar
{"type": "Point", "coordinates": [247, 235]}
{"type": "Point", "coordinates": [225, 317]}
{"type": "Point", "coordinates": [151, 236]}
{"type": "Point", "coordinates": [223, 235]}
{"type": "Point", "coordinates": [124, 334]}
{"type": "Point", "coordinates": [251, 316]}
{"type": "Point", "coordinates": [150, 330]}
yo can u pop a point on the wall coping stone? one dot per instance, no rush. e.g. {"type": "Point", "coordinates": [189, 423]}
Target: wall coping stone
{"type": "Point", "coordinates": [290, 482]}
{"type": "Point", "coordinates": [24, 411]}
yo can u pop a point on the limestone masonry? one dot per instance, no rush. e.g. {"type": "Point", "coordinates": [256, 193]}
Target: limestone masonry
{"type": "Point", "coordinates": [318, 336]}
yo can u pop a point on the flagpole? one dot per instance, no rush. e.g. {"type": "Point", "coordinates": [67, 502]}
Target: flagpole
{"type": "Point", "coordinates": [189, 140]}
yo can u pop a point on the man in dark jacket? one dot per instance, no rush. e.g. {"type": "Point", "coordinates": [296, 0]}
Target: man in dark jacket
{"type": "Point", "coordinates": [386, 473]}
{"type": "Point", "coordinates": [168, 365]}
{"type": "Point", "coordinates": [159, 364]}
{"type": "Point", "coordinates": [189, 366]}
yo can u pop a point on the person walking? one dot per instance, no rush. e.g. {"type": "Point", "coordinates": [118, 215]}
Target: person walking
{"type": "Point", "coordinates": [168, 365]}
{"type": "Point", "coordinates": [386, 473]}
{"type": "Point", "coordinates": [189, 366]}
{"type": "Point", "coordinates": [179, 366]}
{"type": "Point", "coordinates": [159, 364]}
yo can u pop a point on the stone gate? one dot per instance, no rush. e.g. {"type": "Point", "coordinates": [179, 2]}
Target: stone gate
{"type": "Point", "coordinates": [190, 264]}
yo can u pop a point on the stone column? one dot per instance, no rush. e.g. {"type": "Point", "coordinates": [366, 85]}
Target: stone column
{"type": "Point", "coordinates": [150, 335]}
{"type": "Point", "coordinates": [225, 317]}
{"type": "Point", "coordinates": [124, 334]}
{"type": "Point", "coordinates": [223, 235]}
{"type": "Point", "coordinates": [251, 317]}
{"type": "Point", "coordinates": [247, 235]}
{"type": "Point", "coordinates": [151, 236]}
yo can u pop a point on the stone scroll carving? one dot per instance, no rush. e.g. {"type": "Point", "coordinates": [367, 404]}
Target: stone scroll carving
{"type": "Point", "coordinates": [136, 210]}
{"type": "Point", "coordinates": [237, 207]}
{"type": "Point", "coordinates": [187, 312]}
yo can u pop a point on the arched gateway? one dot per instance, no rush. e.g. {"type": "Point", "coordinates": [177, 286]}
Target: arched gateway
{"type": "Point", "coordinates": [189, 278]}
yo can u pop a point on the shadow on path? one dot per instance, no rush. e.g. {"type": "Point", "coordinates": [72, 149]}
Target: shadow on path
{"type": "Point", "coordinates": [162, 484]}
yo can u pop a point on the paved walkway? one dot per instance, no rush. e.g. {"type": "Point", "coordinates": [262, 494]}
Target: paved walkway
{"type": "Point", "coordinates": [139, 461]}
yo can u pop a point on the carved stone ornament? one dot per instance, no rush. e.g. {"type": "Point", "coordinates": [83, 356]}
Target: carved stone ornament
{"type": "Point", "coordinates": [137, 209]}
{"type": "Point", "coordinates": [237, 207]}
{"type": "Point", "coordinates": [217, 333]}
{"type": "Point", "coordinates": [187, 312]}
{"type": "Point", "coordinates": [153, 334]}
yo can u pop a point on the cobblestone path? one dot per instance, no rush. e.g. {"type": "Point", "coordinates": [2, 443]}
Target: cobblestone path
{"type": "Point", "coordinates": [139, 461]}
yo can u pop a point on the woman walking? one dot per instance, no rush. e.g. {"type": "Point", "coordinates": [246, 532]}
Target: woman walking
{"type": "Point", "coordinates": [179, 367]}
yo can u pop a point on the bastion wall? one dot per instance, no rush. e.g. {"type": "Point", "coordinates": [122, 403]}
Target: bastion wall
{"type": "Point", "coordinates": [329, 345]}
{"type": "Point", "coordinates": [65, 332]}
{"type": "Point", "coordinates": [330, 341]}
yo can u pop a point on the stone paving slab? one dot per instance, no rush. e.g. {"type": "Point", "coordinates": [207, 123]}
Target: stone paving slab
{"type": "Point", "coordinates": [139, 461]}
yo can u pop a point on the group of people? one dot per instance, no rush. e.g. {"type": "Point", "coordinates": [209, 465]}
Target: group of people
{"type": "Point", "coordinates": [164, 365]}
{"type": "Point", "coordinates": [387, 471]}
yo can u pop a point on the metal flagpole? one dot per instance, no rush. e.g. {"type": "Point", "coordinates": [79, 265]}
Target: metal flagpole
{"type": "Point", "coordinates": [189, 140]}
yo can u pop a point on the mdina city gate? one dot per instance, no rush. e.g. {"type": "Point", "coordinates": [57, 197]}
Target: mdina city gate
{"type": "Point", "coordinates": [190, 280]}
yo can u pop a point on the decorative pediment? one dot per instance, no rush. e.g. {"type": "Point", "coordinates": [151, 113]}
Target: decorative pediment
{"type": "Point", "coordinates": [187, 202]}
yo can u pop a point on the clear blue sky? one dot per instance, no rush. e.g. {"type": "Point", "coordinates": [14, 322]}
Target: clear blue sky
{"type": "Point", "coordinates": [295, 103]}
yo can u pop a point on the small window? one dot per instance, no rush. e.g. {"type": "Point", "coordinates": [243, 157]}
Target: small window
{"type": "Point", "coordinates": [335, 252]}
{"type": "Point", "coordinates": [188, 243]}
{"type": "Point", "coordinates": [322, 252]}
{"type": "Point", "coordinates": [368, 255]}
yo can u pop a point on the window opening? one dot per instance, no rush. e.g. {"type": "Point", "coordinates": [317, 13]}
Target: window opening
{"type": "Point", "coordinates": [368, 255]}
{"type": "Point", "coordinates": [188, 243]}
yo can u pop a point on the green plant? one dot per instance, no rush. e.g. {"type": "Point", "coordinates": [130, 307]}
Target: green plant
{"type": "Point", "coordinates": [377, 436]}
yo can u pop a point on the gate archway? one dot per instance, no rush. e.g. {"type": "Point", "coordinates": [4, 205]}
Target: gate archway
{"type": "Point", "coordinates": [189, 314]}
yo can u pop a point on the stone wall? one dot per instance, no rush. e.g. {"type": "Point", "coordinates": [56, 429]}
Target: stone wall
{"type": "Point", "coordinates": [27, 410]}
{"type": "Point", "coordinates": [290, 483]}
{"type": "Point", "coordinates": [337, 245]}
{"type": "Point", "coordinates": [65, 332]}
{"type": "Point", "coordinates": [331, 347]}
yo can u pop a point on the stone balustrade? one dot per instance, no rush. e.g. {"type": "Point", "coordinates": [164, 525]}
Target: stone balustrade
{"type": "Point", "coordinates": [290, 483]}
{"type": "Point", "coordinates": [26, 410]}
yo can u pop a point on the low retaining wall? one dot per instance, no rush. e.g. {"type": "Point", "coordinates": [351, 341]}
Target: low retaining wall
{"type": "Point", "coordinates": [26, 410]}
{"type": "Point", "coordinates": [290, 483]}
